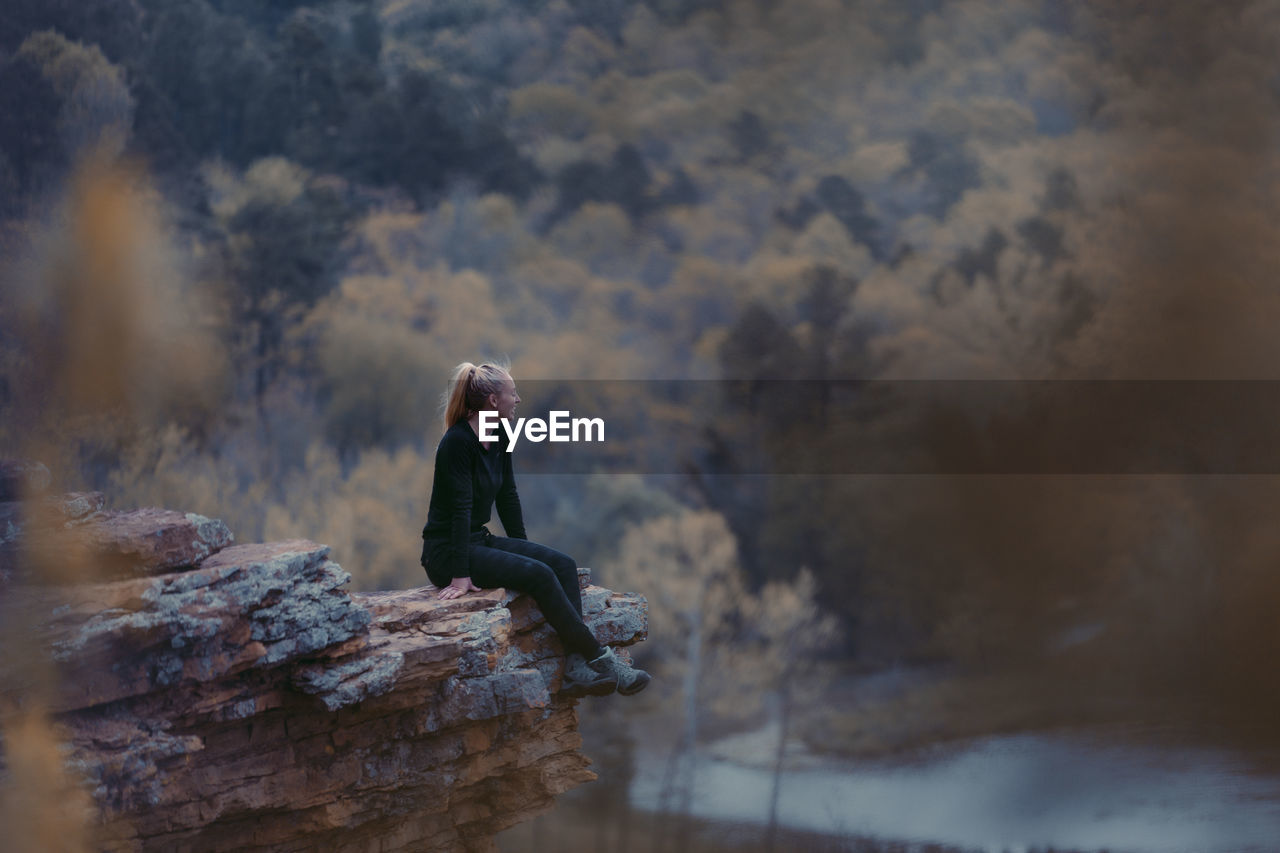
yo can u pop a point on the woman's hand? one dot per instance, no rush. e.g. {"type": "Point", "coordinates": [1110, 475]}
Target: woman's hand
{"type": "Point", "coordinates": [457, 587]}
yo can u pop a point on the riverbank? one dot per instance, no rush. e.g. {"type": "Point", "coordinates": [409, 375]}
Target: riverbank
{"type": "Point", "coordinates": [574, 826]}
{"type": "Point", "coordinates": [1028, 793]}
{"type": "Point", "coordinates": [926, 760]}
{"type": "Point", "coordinates": [1079, 790]}
{"type": "Point", "coordinates": [903, 711]}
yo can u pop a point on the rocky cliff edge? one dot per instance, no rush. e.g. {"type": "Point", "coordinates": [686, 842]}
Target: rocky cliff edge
{"type": "Point", "coordinates": [235, 697]}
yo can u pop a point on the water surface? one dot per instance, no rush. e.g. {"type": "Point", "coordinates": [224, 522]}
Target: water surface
{"type": "Point", "coordinates": [1075, 791]}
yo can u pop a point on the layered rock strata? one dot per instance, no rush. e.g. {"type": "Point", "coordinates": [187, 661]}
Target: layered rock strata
{"type": "Point", "coordinates": [236, 697]}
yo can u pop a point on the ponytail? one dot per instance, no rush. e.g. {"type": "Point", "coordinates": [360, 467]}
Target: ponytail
{"type": "Point", "coordinates": [469, 389]}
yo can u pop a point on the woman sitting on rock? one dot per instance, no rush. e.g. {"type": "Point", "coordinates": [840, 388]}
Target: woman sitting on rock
{"type": "Point", "coordinates": [461, 555]}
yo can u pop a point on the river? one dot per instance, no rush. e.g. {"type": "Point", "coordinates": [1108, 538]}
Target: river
{"type": "Point", "coordinates": [1077, 791]}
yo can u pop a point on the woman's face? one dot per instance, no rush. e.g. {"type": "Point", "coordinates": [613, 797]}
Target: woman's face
{"type": "Point", "coordinates": [506, 399]}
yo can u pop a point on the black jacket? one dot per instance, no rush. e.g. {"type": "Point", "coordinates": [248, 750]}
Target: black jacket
{"type": "Point", "coordinates": [469, 480]}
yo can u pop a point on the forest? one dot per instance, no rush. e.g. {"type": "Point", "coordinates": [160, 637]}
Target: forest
{"type": "Point", "coordinates": [243, 244]}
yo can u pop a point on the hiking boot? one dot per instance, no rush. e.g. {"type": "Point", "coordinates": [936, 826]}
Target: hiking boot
{"type": "Point", "coordinates": [629, 679]}
{"type": "Point", "coordinates": [581, 680]}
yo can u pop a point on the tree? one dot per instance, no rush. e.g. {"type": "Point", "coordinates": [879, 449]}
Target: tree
{"type": "Point", "coordinates": [624, 182]}
{"type": "Point", "coordinates": [207, 84]}
{"type": "Point", "coordinates": [843, 200]}
{"type": "Point", "coordinates": [116, 26]}
{"type": "Point", "coordinates": [824, 307]}
{"type": "Point", "coordinates": [91, 105]}
{"type": "Point", "coordinates": [687, 566]}
{"type": "Point", "coordinates": [948, 170]}
{"type": "Point", "coordinates": [789, 630]}
{"type": "Point", "coordinates": [282, 231]}
{"type": "Point", "coordinates": [759, 350]}
{"type": "Point", "coordinates": [28, 122]}
{"type": "Point", "coordinates": [315, 105]}
{"type": "Point", "coordinates": [750, 138]}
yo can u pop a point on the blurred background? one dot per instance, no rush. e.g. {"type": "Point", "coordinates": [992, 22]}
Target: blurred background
{"type": "Point", "coordinates": [243, 243]}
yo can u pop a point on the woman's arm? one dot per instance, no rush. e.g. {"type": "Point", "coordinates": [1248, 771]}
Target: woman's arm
{"type": "Point", "coordinates": [456, 459]}
{"type": "Point", "coordinates": [507, 502]}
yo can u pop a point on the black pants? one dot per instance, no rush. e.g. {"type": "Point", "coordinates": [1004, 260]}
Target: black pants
{"type": "Point", "coordinates": [518, 564]}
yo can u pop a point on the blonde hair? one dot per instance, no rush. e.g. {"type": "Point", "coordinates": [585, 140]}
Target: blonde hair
{"type": "Point", "coordinates": [469, 388]}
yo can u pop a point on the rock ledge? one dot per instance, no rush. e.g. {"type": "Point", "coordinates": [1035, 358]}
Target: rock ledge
{"type": "Point", "coordinates": [221, 697]}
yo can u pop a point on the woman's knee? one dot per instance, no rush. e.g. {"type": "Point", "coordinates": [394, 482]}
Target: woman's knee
{"type": "Point", "coordinates": [562, 564]}
{"type": "Point", "coordinates": [539, 576]}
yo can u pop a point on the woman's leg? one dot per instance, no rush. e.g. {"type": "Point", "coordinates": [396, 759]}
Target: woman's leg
{"type": "Point", "coordinates": [566, 570]}
{"type": "Point", "coordinates": [494, 567]}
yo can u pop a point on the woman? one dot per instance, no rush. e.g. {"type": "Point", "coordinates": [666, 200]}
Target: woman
{"type": "Point", "coordinates": [461, 555]}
